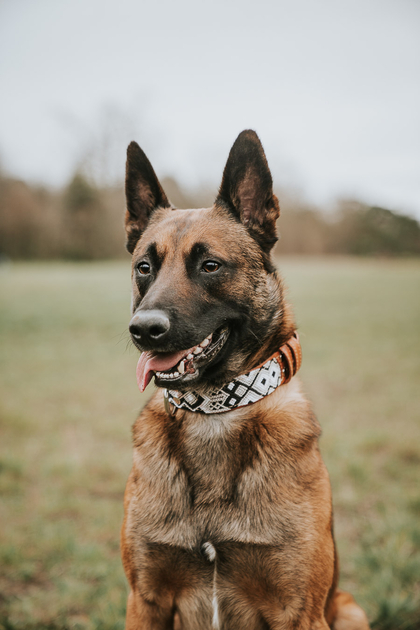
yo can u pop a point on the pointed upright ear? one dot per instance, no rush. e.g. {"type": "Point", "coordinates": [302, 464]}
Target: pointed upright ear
{"type": "Point", "coordinates": [247, 189]}
{"type": "Point", "coordinates": [143, 193]}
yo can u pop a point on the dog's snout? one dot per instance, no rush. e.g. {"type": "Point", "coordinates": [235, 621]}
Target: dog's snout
{"type": "Point", "coordinates": [149, 326]}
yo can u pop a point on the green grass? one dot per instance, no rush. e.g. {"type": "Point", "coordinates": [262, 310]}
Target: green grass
{"type": "Point", "coordinates": [68, 397]}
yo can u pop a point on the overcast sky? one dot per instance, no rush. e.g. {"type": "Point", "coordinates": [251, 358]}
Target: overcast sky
{"type": "Point", "coordinates": [332, 87]}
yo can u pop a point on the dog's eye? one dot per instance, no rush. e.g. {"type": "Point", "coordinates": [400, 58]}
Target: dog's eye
{"type": "Point", "coordinates": [143, 268]}
{"type": "Point", "coordinates": [210, 266]}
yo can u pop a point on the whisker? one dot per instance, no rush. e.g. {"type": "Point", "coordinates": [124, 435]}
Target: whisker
{"type": "Point", "coordinates": [257, 338]}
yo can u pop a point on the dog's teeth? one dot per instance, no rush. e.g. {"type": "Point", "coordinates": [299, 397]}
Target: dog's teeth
{"type": "Point", "coordinates": [205, 343]}
{"type": "Point", "coordinates": [197, 350]}
{"type": "Point", "coordinates": [176, 374]}
{"type": "Point", "coordinates": [210, 336]}
{"type": "Point", "coordinates": [181, 367]}
{"type": "Point", "coordinates": [190, 356]}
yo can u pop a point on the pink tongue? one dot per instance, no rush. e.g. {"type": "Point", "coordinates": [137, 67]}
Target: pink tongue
{"type": "Point", "coordinates": [150, 362]}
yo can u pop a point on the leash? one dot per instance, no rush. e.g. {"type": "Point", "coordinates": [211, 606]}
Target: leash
{"type": "Point", "coordinates": [244, 390]}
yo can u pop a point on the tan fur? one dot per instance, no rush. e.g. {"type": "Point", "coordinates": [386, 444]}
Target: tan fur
{"type": "Point", "coordinates": [228, 517]}
{"type": "Point", "coordinates": [174, 233]}
{"type": "Point", "coordinates": [275, 536]}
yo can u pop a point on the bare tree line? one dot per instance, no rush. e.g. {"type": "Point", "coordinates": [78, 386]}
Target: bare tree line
{"type": "Point", "coordinates": [83, 221]}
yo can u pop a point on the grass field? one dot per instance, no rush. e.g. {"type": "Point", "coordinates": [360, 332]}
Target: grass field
{"type": "Point", "coordinates": [68, 397]}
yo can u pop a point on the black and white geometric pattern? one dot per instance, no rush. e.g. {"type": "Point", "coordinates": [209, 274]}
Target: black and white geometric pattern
{"type": "Point", "coordinates": [247, 388]}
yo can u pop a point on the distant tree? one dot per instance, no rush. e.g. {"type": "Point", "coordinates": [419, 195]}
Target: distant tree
{"type": "Point", "coordinates": [79, 194]}
{"type": "Point", "coordinates": [28, 225]}
{"type": "Point", "coordinates": [371, 230]}
{"type": "Point", "coordinates": [82, 219]}
{"type": "Point", "coordinates": [303, 230]}
{"type": "Point", "coordinates": [92, 220]}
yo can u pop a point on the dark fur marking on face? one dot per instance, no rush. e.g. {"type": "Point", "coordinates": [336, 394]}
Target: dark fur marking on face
{"type": "Point", "coordinates": [196, 255]}
{"type": "Point", "coordinates": [154, 257]}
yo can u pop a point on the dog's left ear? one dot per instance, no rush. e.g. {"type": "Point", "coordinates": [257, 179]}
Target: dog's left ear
{"type": "Point", "coordinates": [247, 189]}
{"type": "Point", "coordinates": [143, 192]}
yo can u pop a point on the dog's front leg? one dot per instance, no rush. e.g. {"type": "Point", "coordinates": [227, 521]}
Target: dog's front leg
{"type": "Point", "coordinates": [143, 615]}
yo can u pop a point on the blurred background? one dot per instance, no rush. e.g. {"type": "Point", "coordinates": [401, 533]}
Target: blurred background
{"type": "Point", "coordinates": [332, 89]}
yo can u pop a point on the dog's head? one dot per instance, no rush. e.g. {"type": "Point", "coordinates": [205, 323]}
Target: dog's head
{"type": "Point", "coordinates": [207, 303]}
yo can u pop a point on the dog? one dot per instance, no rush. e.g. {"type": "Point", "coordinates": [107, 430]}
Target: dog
{"type": "Point", "coordinates": [228, 515]}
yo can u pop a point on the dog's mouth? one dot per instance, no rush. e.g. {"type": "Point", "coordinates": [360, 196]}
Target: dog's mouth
{"type": "Point", "coordinates": [180, 367]}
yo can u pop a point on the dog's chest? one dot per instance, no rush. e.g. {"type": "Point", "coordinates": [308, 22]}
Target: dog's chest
{"type": "Point", "coordinates": [217, 485]}
{"type": "Point", "coordinates": [211, 460]}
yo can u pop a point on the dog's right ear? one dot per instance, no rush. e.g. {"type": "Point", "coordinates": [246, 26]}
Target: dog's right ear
{"type": "Point", "coordinates": [143, 193]}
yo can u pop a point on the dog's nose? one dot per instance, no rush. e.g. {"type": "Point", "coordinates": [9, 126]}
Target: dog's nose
{"type": "Point", "coordinates": [149, 325]}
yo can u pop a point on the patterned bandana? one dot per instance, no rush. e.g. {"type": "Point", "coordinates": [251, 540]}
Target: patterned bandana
{"type": "Point", "coordinates": [243, 390]}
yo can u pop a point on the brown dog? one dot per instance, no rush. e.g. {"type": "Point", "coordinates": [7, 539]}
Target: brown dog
{"type": "Point", "coordinates": [228, 519]}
